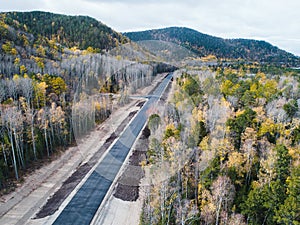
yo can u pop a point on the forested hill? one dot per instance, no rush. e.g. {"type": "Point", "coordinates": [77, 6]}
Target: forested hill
{"type": "Point", "coordinates": [69, 31]}
{"type": "Point", "coordinates": [204, 45]}
{"type": "Point", "coordinates": [46, 81]}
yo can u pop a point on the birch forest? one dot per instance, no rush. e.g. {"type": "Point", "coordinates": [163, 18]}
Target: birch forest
{"type": "Point", "coordinates": [49, 94]}
{"type": "Point", "coordinates": [229, 142]}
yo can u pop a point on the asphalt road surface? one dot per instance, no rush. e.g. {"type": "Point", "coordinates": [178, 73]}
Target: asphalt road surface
{"type": "Point", "coordinates": [83, 206]}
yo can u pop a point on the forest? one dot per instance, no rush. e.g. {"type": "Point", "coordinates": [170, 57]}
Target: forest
{"type": "Point", "coordinates": [68, 31]}
{"type": "Point", "coordinates": [51, 95]}
{"type": "Point", "coordinates": [225, 150]}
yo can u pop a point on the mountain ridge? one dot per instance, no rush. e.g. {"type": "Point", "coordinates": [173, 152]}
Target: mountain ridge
{"type": "Point", "coordinates": [83, 32]}
{"type": "Point", "coordinates": [70, 31]}
{"type": "Point", "coordinates": [204, 44]}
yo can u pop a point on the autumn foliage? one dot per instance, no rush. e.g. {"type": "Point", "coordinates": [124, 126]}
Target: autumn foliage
{"type": "Point", "coordinates": [244, 139]}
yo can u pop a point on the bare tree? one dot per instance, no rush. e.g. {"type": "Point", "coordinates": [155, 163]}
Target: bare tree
{"type": "Point", "coordinates": [26, 89]}
{"type": "Point", "coordinates": [12, 119]}
{"type": "Point", "coordinates": [249, 141]}
{"type": "Point", "coordinates": [44, 124]}
{"type": "Point", "coordinates": [3, 91]}
{"type": "Point", "coordinates": [223, 193]}
{"type": "Point", "coordinates": [12, 89]}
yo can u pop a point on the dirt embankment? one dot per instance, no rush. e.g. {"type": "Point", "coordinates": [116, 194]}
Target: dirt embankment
{"type": "Point", "coordinates": [127, 187]}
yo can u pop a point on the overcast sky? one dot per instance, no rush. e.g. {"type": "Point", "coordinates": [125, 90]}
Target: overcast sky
{"type": "Point", "coordinates": [275, 21]}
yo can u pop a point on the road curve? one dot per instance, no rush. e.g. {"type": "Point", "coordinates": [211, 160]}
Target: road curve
{"type": "Point", "coordinates": [85, 203]}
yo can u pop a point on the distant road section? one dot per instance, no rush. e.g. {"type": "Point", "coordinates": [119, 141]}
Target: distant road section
{"type": "Point", "coordinates": [83, 206]}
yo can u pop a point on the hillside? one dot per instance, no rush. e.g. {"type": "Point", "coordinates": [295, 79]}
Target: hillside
{"type": "Point", "coordinates": [49, 66]}
{"type": "Point", "coordinates": [132, 51]}
{"type": "Point", "coordinates": [203, 45]}
{"type": "Point", "coordinates": [70, 31]}
{"type": "Point", "coordinates": [167, 51]}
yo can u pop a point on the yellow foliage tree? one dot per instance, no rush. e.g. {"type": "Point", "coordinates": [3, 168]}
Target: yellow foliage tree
{"type": "Point", "coordinates": [268, 126]}
{"type": "Point", "coordinates": [270, 88]}
{"type": "Point", "coordinates": [237, 160]}
{"type": "Point", "coordinates": [40, 93]}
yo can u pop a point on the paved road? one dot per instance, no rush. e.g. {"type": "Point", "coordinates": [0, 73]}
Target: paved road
{"type": "Point", "coordinates": [83, 206]}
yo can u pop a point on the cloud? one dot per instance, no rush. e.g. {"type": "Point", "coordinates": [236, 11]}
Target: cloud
{"type": "Point", "coordinates": [139, 2]}
{"type": "Point", "coordinates": [21, 5]}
